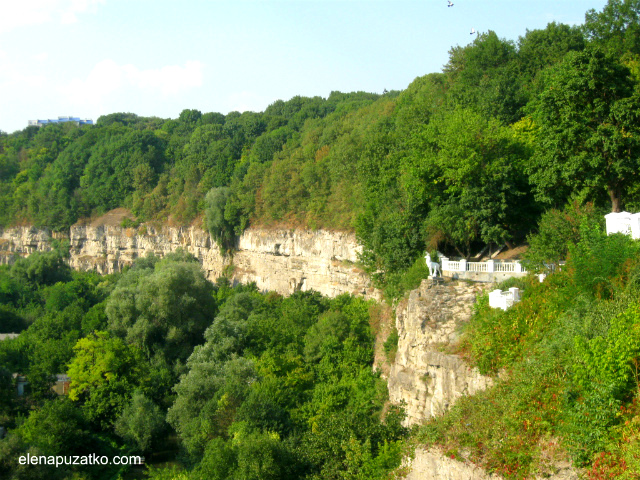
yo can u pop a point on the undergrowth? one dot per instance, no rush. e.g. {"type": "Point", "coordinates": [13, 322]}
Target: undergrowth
{"type": "Point", "coordinates": [568, 361]}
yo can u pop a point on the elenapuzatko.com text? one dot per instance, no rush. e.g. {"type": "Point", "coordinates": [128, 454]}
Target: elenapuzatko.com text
{"type": "Point", "coordinates": [58, 460]}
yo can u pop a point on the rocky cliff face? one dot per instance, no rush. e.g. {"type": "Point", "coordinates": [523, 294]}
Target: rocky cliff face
{"type": "Point", "coordinates": [433, 465]}
{"type": "Point", "coordinates": [422, 376]}
{"type": "Point", "coordinates": [278, 260]}
{"type": "Point", "coordinates": [429, 381]}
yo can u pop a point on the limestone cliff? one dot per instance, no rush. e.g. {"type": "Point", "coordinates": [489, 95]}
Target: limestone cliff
{"type": "Point", "coordinates": [423, 376]}
{"type": "Point", "coordinates": [278, 260]}
{"type": "Point", "coordinates": [433, 465]}
{"type": "Point", "coordinates": [429, 381]}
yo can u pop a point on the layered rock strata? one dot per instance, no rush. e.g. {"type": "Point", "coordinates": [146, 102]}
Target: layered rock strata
{"type": "Point", "coordinates": [429, 381]}
{"type": "Point", "coordinates": [423, 377]}
{"type": "Point", "coordinates": [279, 260]}
{"type": "Point", "coordinates": [431, 464]}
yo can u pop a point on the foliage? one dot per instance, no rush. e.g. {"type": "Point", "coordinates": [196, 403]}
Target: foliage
{"type": "Point", "coordinates": [270, 392]}
{"type": "Point", "coordinates": [164, 308]}
{"type": "Point", "coordinates": [221, 229]}
{"type": "Point", "coordinates": [56, 429]}
{"type": "Point", "coordinates": [557, 230]}
{"type": "Point", "coordinates": [616, 27]}
{"type": "Point", "coordinates": [391, 345]}
{"type": "Point", "coordinates": [141, 422]}
{"type": "Point", "coordinates": [103, 374]}
{"type": "Point", "coordinates": [588, 131]}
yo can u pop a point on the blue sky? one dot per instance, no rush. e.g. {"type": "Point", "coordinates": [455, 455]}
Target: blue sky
{"type": "Point", "coordinates": [157, 57]}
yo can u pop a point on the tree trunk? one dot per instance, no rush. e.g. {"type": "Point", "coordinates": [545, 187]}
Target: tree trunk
{"type": "Point", "coordinates": [614, 195]}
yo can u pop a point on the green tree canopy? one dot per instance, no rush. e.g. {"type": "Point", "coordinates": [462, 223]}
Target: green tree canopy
{"type": "Point", "coordinates": [616, 27]}
{"type": "Point", "coordinates": [588, 130]}
{"type": "Point", "coordinates": [163, 310]}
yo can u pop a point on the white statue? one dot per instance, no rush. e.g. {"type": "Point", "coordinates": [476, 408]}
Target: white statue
{"type": "Point", "coordinates": [434, 267]}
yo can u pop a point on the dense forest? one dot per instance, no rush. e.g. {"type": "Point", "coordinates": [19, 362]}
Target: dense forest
{"type": "Point", "coordinates": [513, 141]}
{"type": "Point", "coordinates": [251, 385]}
{"type": "Point", "coordinates": [462, 158]}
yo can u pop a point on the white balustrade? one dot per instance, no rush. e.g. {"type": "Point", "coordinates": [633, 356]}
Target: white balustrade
{"type": "Point", "coordinates": [490, 266]}
{"type": "Point", "coordinates": [476, 266]}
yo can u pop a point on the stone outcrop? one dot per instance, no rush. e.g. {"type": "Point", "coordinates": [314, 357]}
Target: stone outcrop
{"type": "Point", "coordinates": [279, 260]}
{"type": "Point", "coordinates": [423, 377]}
{"type": "Point", "coordinates": [23, 241]}
{"type": "Point", "coordinates": [429, 381]}
{"type": "Point", "coordinates": [432, 464]}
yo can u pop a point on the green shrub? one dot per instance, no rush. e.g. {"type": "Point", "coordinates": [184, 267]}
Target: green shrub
{"type": "Point", "coordinates": [391, 345]}
{"type": "Point", "coordinates": [557, 230]}
{"type": "Point", "coordinates": [396, 284]}
{"type": "Point", "coordinates": [220, 227]}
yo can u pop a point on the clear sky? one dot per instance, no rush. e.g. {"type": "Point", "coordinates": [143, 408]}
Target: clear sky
{"type": "Point", "coordinates": [88, 58]}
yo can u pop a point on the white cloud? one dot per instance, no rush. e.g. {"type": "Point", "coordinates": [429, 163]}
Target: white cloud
{"type": "Point", "coordinates": [246, 101]}
{"type": "Point", "coordinates": [107, 78]}
{"type": "Point", "coordinates": [169, 79]}
{"type": "Point", "coordinates": [20, 13]}
{"type": "Point", "coordinates": [12, 76]}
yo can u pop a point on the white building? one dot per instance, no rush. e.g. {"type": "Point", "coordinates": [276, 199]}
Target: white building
{"type": "Point", "coordinates": [623, 222]}
{"type": "Point", "coordinates": [64, 119]}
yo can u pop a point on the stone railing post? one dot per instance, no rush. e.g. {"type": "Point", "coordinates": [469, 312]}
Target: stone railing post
{"type": "Point", "coordinates": [490, 266]}
{"type": "Point", "coordinates": [515, 294]}
{"type": "Point", "coordinates": [444, 263]}
{"type": "Point", "coordinates": [518, 267]}
{"type": "Point", "coordinates": [463, 265]}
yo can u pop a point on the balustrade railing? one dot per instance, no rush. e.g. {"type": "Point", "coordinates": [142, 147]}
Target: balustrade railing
{"type": "Point", "coordinates": [476, 266]}
{"type": "Point", "coordinates": [490, 266]}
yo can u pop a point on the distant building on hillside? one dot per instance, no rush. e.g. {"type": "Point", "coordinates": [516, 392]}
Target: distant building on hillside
{"type": "Point", "coordinates": [76, 120]}
{"type": "Point", "coordinates": [62, 385]}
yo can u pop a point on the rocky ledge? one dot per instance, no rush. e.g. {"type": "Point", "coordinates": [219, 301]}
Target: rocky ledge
{"type": "Point", "coordinates": [279, 260]}
{"type": "Point", "coordinates": [423, 376]}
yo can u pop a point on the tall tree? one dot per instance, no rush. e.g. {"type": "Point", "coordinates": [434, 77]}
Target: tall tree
{"type": "Point", "coordinates": [588, 130]}
{"type": "Point", "coordinates": [616, 28]}
{"type": "Point", "coordinates": [472, 167]}
{"type": "Point", "coordinates": [484, 76]}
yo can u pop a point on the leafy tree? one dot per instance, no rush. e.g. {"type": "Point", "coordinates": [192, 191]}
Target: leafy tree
{"type": "Point", "coordinates": [208, 397]}
{"type": "Point", "coordinates": [539, 49]}
{"type": "Point", "coordinates": [475, 165]}
{"type": "Point", "coordinates": [190, 116]}
{"type": "Point", "coordinates": [483, 75]}
{"type": "Point", "coordinates": [589, 141]}
{"type": "Point", "coordinates": [41, 268]}
{"type": "Point", "coordinates": [163, 310]}
{"type": "Point", "coordinates": [140, 422]}
{"type": "Point", "coordinates": [220, 227]}
{"type": "Point", "coordinates": [58, 428]}
{"type": "Point", "coordinates": [616, 28]}
{"type": "Point", "coordinates": [327, 334]}
{"type": "Point", "coordinates": [557, 231]}
{"type": "Point", "coordinates": [104, 373]}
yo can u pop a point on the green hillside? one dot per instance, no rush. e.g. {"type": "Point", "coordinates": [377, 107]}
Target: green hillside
{"type": "Point", "coordinates": [472, 155]}
{"type": "Point", "coordinates": [513, 141]}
